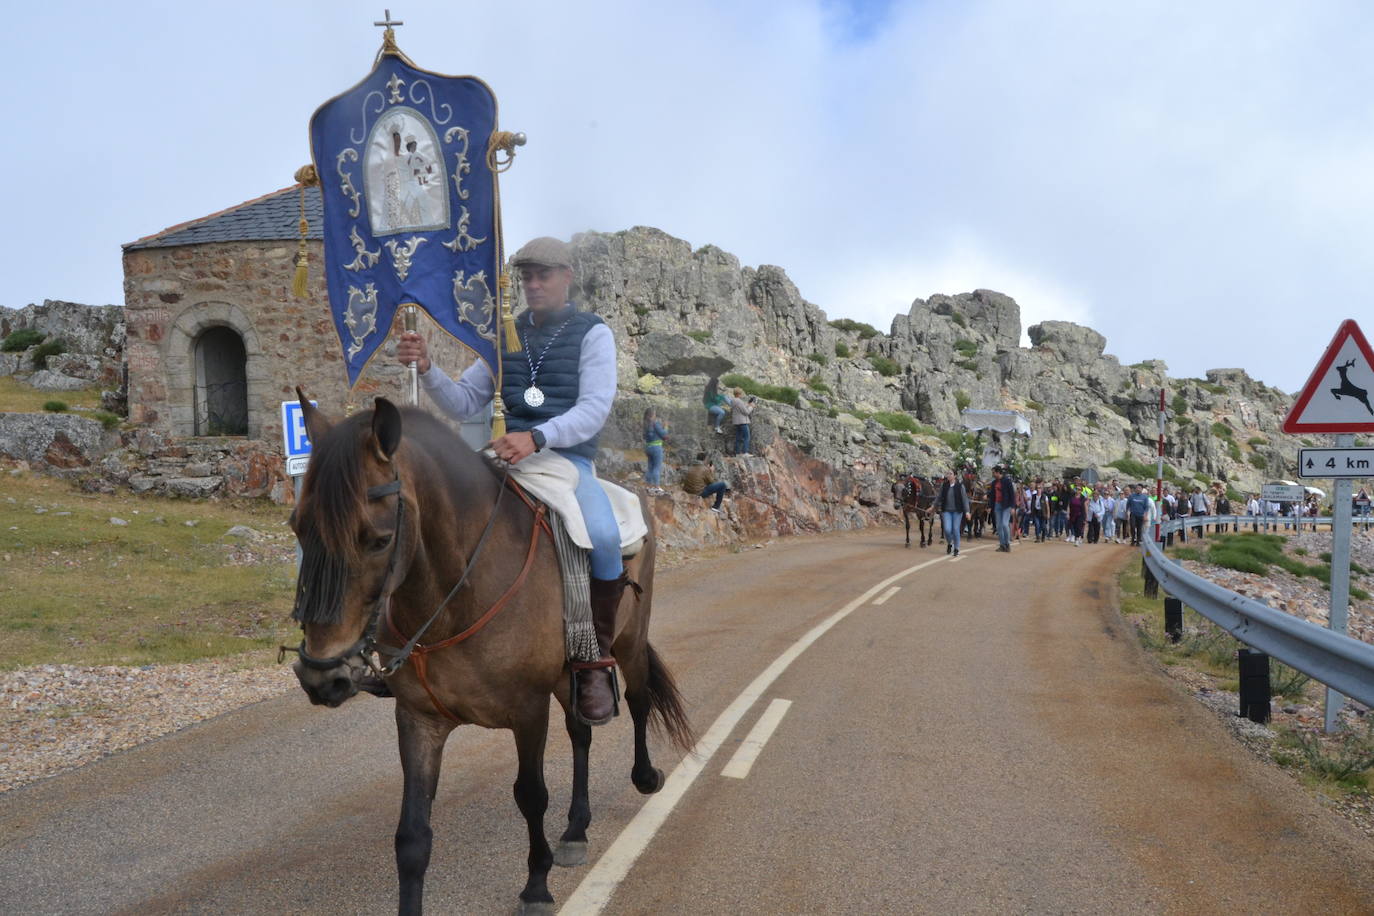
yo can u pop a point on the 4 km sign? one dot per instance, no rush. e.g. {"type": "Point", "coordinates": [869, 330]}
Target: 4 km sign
{"type": "Point", "coordinates": [1336, 398]}
{"type": "Point", "coordinates": [1336, 462]}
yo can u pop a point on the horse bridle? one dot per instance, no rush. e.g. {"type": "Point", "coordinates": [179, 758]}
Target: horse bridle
{"type": "Point", "coordinates": [367, 646]}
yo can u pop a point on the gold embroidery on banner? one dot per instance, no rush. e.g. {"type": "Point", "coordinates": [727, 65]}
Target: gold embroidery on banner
{"type": "Point", "coordinates": [360, 316]}
{"type": "Point", "coordinates": [461, 166]}
{"type": "Point", "coordinates": [402, 253]}
{"type": "Point", "coordinates": [463, 241]}
{"type": "Point", "coordinates": [365, 258]}
{"type": "Point", "coordinates": [346, 184]}
{"type": "Point", "coordinates": [476, 304]}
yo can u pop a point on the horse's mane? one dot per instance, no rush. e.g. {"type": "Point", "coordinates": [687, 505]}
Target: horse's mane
{"type": "Point", "coordinates": [338, 502]}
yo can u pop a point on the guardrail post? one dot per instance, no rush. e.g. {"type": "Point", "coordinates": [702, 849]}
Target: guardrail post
{"type": "Point", "coordinates": [1173, 619]}
{"type": "Point", "coordinates": [1151, 583]}
{"type": "Point", "coordinates": [1254, 685]}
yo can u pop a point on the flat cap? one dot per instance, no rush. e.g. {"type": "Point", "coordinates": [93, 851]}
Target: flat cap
{"type": "Point", "coordinates": [544, 251]}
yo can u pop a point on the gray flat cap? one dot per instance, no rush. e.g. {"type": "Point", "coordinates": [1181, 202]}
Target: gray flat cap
{"type": "Point", "coordinates": [544, 251]}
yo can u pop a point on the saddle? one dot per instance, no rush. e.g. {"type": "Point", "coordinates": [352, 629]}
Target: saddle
{"type": "Point", "coordinates": [552, 479]}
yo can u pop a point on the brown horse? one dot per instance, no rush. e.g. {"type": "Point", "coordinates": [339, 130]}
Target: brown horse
{"type": "Point", "coordinates": [978, 505]}
{"type": "Point", "coordinates": [915, 495]}
{"type": "Point", "coordinates": [400, 530]}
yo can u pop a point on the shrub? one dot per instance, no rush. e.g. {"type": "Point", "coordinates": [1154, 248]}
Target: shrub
{"type": "Point", "coordinates": [886, 367]}
{"type": "Point", "coordinates": [841, 349]}
{"type": "Point", "coordinates": [107, 419]}
{"type": "Point", "coordinates": [46, 349]}
{"type": "Point", "coordinates": [832, 413]}
{"type": "Point", "coordinates": [910, 441]}
{"type": "Point", "coordinates": [1255, 441]}
{"type": "Point", "coordinates": [967, 364]}
{"type": "Point", "coordinates": [54, 406]}
{"type": "Point", "coordinates": [966, 348]}
{"type": "Point", "coordinates": [962, 399]}
{"type": "Point", "coordinates": [1233, 449]}
{"type": "Point", "coordinates": [818, 358]}
{"type": "Point", "coordinates": [959, 319]}
{"type": "Point", "coordinates": [780, 393]}
{"type": "Point", "coordinates": [951, 438]}
{"type": "Point", "coordinates": [699, 336]}
{"type": "Point", "coordinates": [1035, 405]}
{"type": "Point", "coordinates": [1236, 497]}
{"type": "Point", "coordinates": [1093, 424]}
{"type": "Point", "coordinates": [21, 340]}
{"type": "Point", "coordinates": [1259, 462]}
{"type": "Point", "coordinates": [849, 325]}
{"type": "Point", "coordinates": [641, 310]}
{"type": "Point", "coordinates": [1186, 553]}
{"type": "Point", "coordinates": [1221, 429]}
{"type": "Point", "coordinates": [1307, 442]}
{"type": "Point", "coordinates": [1208, 386]}
{"type": "Point", "coordinates": [899, 421]}
{"type": "Point", "coordinates": [1179, 404]}
{"type": "Point", "coordinates": [1183, 421]}
{"type": "Point", "coordinates": [815, 384]}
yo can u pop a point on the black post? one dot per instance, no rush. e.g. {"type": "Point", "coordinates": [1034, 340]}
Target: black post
{"type": "Point", "coordinates": [1254, 685]}
{"type": "Point", "coordinates": [1173, 619]}
{"type": "Point", "coordinates": [1151, 583]}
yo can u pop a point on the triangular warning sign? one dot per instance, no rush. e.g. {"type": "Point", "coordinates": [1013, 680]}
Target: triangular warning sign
{"type": "Point", "coordinates": [1339, 395]}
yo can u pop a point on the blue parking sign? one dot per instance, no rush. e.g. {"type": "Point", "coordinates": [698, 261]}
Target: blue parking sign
{"type": "Point", "coordinates": [295, 440]}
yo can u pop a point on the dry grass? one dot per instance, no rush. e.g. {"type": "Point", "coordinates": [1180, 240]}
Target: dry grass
{"type": "Point", "coordinates": [16, 397]}
{"type": "Point", "coordinates": [77, 589]}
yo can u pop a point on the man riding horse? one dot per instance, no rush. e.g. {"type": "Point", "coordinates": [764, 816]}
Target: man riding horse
{"type": "Point", "coordinates": [558, 392]}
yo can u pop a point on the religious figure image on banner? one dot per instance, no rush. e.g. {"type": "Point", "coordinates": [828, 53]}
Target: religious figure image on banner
{"type": "Point", "coordinates": [403, 175]}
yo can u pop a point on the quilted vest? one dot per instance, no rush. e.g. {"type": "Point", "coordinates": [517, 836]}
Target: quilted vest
{"type": "Point", "coordinates": [557, 375]}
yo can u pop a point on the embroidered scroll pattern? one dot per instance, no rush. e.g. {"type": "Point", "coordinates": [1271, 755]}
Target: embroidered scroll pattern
{"type": "Point", "coordinates": [476, 304]}
{"type": "Point", "coordinates": [401, 254]}
{"type": "Point", "coordinates": [360, 316]}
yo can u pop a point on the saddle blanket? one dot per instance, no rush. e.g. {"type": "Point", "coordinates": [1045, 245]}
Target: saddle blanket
{"type": "Point", "coordinates": [552, 479]}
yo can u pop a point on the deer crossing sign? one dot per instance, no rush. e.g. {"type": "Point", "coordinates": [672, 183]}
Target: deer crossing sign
{"type": "Point", "coordinates": [1336, 462]}
{"type": "Point", "coordinates": [1337, 396]}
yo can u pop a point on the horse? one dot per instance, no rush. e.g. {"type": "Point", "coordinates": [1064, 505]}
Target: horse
{"type": "Point", "coordinates": [978, 507]}
{"type": "Point", "coordinates": [915, 495]}
{"type": "Point", "coordinates": [399, 528]}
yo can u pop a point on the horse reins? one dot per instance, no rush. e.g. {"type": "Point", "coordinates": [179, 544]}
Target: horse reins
{"type": "Point", "coordinates": [367, 644]}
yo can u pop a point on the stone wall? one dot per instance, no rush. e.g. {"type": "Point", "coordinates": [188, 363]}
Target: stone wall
{"type": "Point", "coordinates": [172, 295]}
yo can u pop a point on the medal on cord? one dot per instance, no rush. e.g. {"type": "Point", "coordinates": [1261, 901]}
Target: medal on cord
{"type": "Point", "coordinates": [533, 396]}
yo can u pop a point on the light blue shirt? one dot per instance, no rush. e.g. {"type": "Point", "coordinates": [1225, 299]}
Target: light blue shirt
{"type": "Point", "coordinates": [596, 372]}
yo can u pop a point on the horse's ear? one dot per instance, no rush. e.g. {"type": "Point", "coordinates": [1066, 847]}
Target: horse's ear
{"type": "Point", "coordinates": [386, 428]}
{"type": "Point", "coordinates": [316, 423]}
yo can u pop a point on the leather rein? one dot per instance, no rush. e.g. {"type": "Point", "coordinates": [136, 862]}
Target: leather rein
{"type": "Point", "coordinates": [367, 645]}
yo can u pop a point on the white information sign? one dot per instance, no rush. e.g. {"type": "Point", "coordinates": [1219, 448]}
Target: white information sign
{"type": "Point", "coordinates": [1281, 493]}
{"type": "Point", "coordinates": [295, 441]}
{"type": "Point", "coordinates": [1336, 462]}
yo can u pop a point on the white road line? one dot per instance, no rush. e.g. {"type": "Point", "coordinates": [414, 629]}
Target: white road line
{"type": "Point", "coordinates": [610, 869]}
{"type": "Point", "coordinates": [743, 761]}
{"type": "Point", "coordinates": [882, 599]}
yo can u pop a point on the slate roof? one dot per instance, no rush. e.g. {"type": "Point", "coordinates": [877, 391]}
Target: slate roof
{"type": "Point", "coordinates": [272, 216]}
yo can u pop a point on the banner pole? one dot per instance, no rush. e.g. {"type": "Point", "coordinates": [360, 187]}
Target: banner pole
{"type": "Point", "coordinates": [413, 370]}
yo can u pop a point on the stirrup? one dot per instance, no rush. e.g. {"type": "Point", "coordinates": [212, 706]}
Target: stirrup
{"type": "Point", "coordinates": [576, 669]}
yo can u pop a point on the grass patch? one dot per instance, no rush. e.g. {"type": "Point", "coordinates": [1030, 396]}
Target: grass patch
{"type": "Point", "coordinates": [1256, 441]}
{"type": "Point", "coordinates": [818, 358]}
{"type": "Point", "coordinates": [1179, 405]}
{"type": "Point", "coordinates": [780, 393]}
{"type": "Point", "coordinates": [1221, 429]}
{"type": "Point", "coordinates": [1208, 386]}
{"type": "Point", "coordinates": [1343, 762]}
{"type": "Point", "coordinates": [55, 406]}
{"type": "Point", "coordinates": [44, 350]}
{"type": "Point", "coordinates": [1259, 462]}
{"type": "Point", "coordinates": [959, 319]}
{"type": "Point", "coordinates": [816, 384]}
{"type": "Point", "coordinates": [1035, 405]}
{"type": "Point", "coordinates": [16, 397]}
{"type": "Point", "coordinates": [21, 340]}
{"type": "Point", "coordinates": [962, 399]}
{"type": "Point", "coordinates": [641, 310]}
{"type": "Point", "coordinates": [1253, 552]}
{"type": "Point", "coordinates": [968, 365]}
{"type": "Point", "coordinates": [850, 326]}
{"type": "Point", "coordinates": [886, 367]}
{"type": "Point", "coordinates": [951, 438]}
{"type": "Point", "coordinates": [841, 349]}
{"type": "Point", "coordinates": [966, 348]}
{"type": "Point", "coordinates": [898, 421]}
{"type": "Point", "coordinates": [81, 591]}
{"type": "Point", "coordinates": [906, 439]}
{"type": "Point", "coordinates": [699, 336]}
{"type": "Point", "coordinates": [1233, 450]}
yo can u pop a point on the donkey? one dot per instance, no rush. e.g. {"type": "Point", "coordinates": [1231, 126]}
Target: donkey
{"type": "Point", "coordinates": [391, 524]}
{"type": "Point", "coordinates": [1350, 389]}
{"type": "Point", "coordinates": [916, 496]}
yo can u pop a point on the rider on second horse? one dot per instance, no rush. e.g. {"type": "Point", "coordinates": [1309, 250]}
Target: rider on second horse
{"type": "Point", "coordinates": [558, 391]}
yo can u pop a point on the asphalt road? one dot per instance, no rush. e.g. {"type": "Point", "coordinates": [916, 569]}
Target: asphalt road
{"type": "Point", "coordinates": [985, 738]}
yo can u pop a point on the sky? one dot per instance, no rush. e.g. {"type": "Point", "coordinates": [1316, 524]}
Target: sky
{"type": "Point", "coordinates": [1195, 181]}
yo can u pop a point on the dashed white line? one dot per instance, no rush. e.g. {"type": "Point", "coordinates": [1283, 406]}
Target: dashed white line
{"type": "Point", "coordinates": [882, 599]}
{"type": "Point", "coordinates": [743, 761]}
{"type": "Point", "coordinates": [592, 895]}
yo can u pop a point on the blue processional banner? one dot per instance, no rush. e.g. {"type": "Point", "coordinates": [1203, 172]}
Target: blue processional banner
{"type": "Point", "coordinates": [410, 207]}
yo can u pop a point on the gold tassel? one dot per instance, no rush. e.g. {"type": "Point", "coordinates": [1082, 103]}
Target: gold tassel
{"type": "Point", "coordinates": [508, 319]}
{"type": "Point", "coordinates": [307, 177]}
{"type": "Point", "coordinates": [498, 417]}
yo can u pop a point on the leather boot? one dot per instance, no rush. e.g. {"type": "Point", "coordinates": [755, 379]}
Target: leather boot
{"type": "Point", "coordinates": [595, 700]}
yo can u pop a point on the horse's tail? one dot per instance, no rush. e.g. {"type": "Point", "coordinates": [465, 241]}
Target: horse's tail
{"type": "Point", "coordinates": [666, 708]}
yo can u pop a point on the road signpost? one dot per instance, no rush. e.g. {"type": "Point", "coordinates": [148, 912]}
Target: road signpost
{"type": "Point", "coordinates": [1336, 399]}
{"type": "Point", "coordinates": [1281, 493]}
{"type": "Point", "coordinates": [296, 445]}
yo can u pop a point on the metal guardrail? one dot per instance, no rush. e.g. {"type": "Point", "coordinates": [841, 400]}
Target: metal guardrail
{"type": "Point", "coordinates": [1338, 661]}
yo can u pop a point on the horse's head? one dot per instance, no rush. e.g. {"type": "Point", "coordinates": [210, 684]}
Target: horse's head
{"type": "Point", "coordinates": [357, 537]}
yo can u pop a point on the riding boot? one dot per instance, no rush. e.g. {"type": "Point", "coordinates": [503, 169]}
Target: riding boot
{"type": "Point", "coordinates": [595, 700]}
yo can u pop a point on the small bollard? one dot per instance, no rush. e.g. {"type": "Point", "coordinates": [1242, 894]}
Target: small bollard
{"type": "Point", "coordinates": [1254, 685]}
{"type": "Point", "coordinates": [1173, 619]}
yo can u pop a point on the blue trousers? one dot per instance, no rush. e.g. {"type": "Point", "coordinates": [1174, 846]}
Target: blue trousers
{"type": "Point", "coordinates": [655, 469]}
{"type": "Point", "coordinates": [1003, 516]}
{"type": "Point", "coordinates": [742, 439]}
{"type": "Point", "coordinates": [600, 519]}
{"type": "Point", "coordinates": [953, 523]}
{"type": "Point", "coordinates": [715, 415]}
